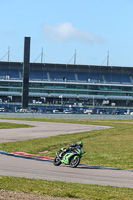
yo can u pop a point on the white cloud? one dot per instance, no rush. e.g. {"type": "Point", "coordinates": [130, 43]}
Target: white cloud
{"type": "Point", "coordinates": [66, 31]}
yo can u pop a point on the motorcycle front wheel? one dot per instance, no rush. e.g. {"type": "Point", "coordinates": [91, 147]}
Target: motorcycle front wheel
{"type": "Point", "coordinates": [74, 161]}
{"type": "Point", "coordinates": [57, 161]}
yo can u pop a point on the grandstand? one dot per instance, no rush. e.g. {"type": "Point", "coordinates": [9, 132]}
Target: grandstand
{"type": "Point", "coordinates": [66, 86]}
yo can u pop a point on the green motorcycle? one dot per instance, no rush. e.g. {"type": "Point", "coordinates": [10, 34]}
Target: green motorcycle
{"type": "Point", "coordinates": [71, 157]}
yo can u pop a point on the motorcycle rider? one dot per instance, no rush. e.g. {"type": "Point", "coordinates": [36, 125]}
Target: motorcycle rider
{"type": "Point", "coordinates": [71, 147]}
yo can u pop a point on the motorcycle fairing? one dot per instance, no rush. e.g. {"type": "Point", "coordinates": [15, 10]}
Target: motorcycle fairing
{"type": "Point", "coordinates": [67, 157]}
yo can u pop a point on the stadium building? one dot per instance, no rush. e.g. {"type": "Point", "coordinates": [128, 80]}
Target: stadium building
{"type": "Point", "coordinates": [68, 87]}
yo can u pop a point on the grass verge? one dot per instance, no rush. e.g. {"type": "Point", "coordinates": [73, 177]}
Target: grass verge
{"type": "Point", "coordinates": [6, 125]}
{"type": "Point", "coordinates": [109, 147]}
{"type": "Point", "coordinates": [106, 147]}
{"type": "Point", "coordinates": [63, 189]}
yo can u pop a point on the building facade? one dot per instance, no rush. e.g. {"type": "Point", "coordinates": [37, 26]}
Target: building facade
{"type": "Point", "coordinates": [74, 87]}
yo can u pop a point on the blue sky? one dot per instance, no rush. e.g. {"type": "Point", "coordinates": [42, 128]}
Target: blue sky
{"type": "Point", "coordinates": [60, 27]}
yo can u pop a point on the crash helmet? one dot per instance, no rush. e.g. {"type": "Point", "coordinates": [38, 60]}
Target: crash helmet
{"type": "Point", "coordinates": [80, 144]}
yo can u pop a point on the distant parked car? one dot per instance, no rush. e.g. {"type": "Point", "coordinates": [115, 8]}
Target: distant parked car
{"type": "Point", "coordinates": [68, 112]}
{"type": "Point", "coordinates": [103, 112]}
{"type": "Point", "coordinates": [2, 109]}
{"type": "Point", "coordinates": [116, 113]}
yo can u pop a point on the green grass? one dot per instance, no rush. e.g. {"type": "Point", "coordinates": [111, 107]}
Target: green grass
{"type": "Point", "coordinates": [107, 147]}
{"type": "Point", "coordinates": [63, 189]}
{"type": "Point", "coordinates": [6, 125]}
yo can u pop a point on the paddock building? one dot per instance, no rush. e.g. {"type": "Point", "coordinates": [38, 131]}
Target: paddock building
{"type": "Point", "coordinates": [67, 87]}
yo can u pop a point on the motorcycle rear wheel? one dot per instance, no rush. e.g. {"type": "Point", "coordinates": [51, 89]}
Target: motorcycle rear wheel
{"type": "Point", "coordinates": [57, 161]}
{"type": "Point", "coordinates": [74, 162]}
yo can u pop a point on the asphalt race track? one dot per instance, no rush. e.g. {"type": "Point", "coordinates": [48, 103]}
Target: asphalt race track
{"type": "Point", "coordinates": [32, 168]}
{"type": "Point", "coordinates": [42, 129]}
{"type": "Point", "coordinates": [28, 168]}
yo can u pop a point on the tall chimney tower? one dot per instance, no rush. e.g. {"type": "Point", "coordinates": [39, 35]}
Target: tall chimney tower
{"type": "Point", "coordinates": [26, 67]}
